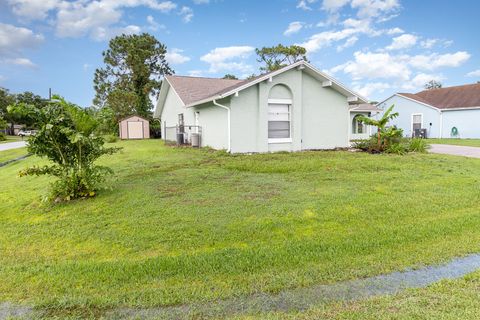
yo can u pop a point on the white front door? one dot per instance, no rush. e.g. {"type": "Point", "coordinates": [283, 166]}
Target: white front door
{"type": "Point", "coordinates": [135, 129]}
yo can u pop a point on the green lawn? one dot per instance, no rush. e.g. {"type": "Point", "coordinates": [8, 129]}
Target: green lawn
{"type": "Point", "coordinates": [184, 225]}
{"type": "Point", "coordinates": [12, 154]}
{"type": "Point", "coordinates": [448, 299]}
{"type": "Point", "coordinates": [458, 142]}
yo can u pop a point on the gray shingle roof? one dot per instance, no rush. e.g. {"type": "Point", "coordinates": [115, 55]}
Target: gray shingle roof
{"type": "Point", "coordinates": [465, 96]}
{"type": "Point", "coordinates": [193, 89]}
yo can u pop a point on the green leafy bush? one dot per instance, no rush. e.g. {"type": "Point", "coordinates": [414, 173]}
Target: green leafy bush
{"type": "Point", "coordinates": [418, 145]}
{"type": "Point", "coordinates": [397, 148]}
{"type": "Point", "coordinates": [111, 138]}
{"type": "Point", "coordinates": [66, 137]}
{"type": "Point", "coordinates": [3, 137]}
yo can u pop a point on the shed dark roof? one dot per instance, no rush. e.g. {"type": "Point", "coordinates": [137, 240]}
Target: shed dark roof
{"type": "Point", "coordinates": [465, 96]}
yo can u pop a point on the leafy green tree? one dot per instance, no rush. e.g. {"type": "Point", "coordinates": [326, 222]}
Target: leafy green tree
{"type": "Point", "coordinates": [433, 84]}
{"type": "Point", "coordinates": [6, 99]}
{"type": "Point", "coordinates": [230, 77]}
{"type": "Point", "coordinates": [66, 136]}
{"type": "Point", "coordinates": [381, 126]}
{"type": "Point", "coordinates": [33, 100]}
{"type": "Point", "coordinates": [134, 67]}
{"type": "Point", "coordinates": [279, 56]}
{"type": "Point", "coordinates": [3, 126]}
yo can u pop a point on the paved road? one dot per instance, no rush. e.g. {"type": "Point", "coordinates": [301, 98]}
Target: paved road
{"type": "Point", "coordinates": [12, 145]}
{"type": "Point", "coordinates": [472, 152]}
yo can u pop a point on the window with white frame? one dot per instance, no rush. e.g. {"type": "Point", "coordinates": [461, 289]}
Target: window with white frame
{"type": "Point", "coordinates": [279, 127]}
{"type": "Point", "coordinates": [417, 122]}
{"type": "Point", "coordinates": [357, 126]}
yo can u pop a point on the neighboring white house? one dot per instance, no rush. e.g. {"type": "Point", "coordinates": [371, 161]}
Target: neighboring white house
{"type": "Point", "coordinates": [295, 108]}
{"type": "Point", "coordinates": [452, 112]}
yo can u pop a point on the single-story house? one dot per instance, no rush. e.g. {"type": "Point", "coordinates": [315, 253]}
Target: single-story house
{"type": "Point", "coordinates": [294, 108]}
{"type": "Point", "coordinates": [451, 112]}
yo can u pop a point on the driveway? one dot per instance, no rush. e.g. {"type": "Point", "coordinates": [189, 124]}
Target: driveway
{"type": "Point", "coordinates": [472, 152]}
{"type": "Point", "coordinates": [12, 145]}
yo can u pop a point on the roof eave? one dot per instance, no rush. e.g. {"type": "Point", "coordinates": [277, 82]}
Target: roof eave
{"type": "Point", "coordinates": [336, 84]}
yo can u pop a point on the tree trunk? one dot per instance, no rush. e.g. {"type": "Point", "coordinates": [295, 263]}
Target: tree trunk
{"type": "Point", "coordinates": [378, 139]}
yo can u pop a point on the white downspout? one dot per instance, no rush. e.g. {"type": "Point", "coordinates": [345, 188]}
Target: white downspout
{"type": "Point", "coordinates": [441, 125]}
{"type": "Point", "coordinates": [228, 121]}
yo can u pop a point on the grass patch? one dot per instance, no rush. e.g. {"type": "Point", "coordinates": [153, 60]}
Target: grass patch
{"type": "Point", "coordinates": [448, 299]}
{"type": "Point", "coordinates": [12, 139]}
{"type": "Point", "coordinates": [456, 142]}
{"type": "Point", "coordinates": [184, 225]}
{"type": "Point", "coordinates": [12, 154]}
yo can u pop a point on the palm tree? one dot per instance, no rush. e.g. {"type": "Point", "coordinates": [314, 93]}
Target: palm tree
{"type": "Point", "coordinates": [380, 123]}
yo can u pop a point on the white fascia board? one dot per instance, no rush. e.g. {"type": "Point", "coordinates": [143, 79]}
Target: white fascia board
{"type": "Point", "coordinates": [162, 96]}
{"type": "Point", "coordinates": [175, 92]}
{"type": "Point", "coordinates": [456, 109]}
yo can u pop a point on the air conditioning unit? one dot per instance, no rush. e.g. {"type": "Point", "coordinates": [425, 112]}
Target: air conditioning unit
{"type": "Point", "coordinates": [420, 133]}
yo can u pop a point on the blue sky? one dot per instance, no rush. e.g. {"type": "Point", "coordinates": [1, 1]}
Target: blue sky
{"type": "Point", "coordinates": [376, 47]}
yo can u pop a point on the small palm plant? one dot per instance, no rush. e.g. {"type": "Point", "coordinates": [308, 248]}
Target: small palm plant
{"type": "Point", "coordinates": [380, 123]}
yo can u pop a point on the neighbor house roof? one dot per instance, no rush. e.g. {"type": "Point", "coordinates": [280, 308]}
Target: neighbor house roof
{"type": "Point", "coordinates": [364, 107]}
{"type": "Point", "coordinates": [449, 98]}
{"type": "Point", "coordinates": [196, 90]}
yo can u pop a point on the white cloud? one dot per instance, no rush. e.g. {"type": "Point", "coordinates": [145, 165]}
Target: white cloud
{"type": "Point", "coordinates": [475, 73]}
{"type": "Point", "coordinates": [153, 25]}
{"type": "Point", "coordinates": [333, 5]}
{"type": "Point", "coordinates": [201, 1]}
{"type": "Point", "coordinates": [367, 89]}
{"type": "Point", "coordinates": [85, 17]}
{"type": "Point", "coordinates": [419, 81]}
{"type": "Point", "coordinates": [326, 38]}
{"type": "Point", "coordinates": [186, 13]}
{"type": "Point", "coordinates": [374, 8]}
{"type": "Point", "coordinates": [175, 56]}
{"type": "Point", "coordinates": [228, 59]}
{"type": "Point", "coordinates": [33, 9]}
{"type": "Point", "coordinates": [293, 28]}
{"type": "Point", "coordinates": [305, 4]}
{"type": "Point", "coordinates": [13, 40]}
{"type": "Point", "coordinates": [402, 71]}
{"type": "Point", "coordinates": [100, 33]}
{"type": "Point", "coordinates": [435, 60]}
{"type": "Point", "coordinates": [404, 41]}
{"type": "Point", "coordinates": [374, 66]}
{"type": "Point", "coordinates": [430, 43]}
{"type": "Point", "coordinates": [394, 31]}
{"type": "Point", "coordinates": [23, 62]}
{"type": "Point", "coordinates": [349, 43]}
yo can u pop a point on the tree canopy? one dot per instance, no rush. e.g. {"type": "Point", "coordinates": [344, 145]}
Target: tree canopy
{"type": "Point", "coordinates": [27, 97]}
{"type": "Point", "coordinates": [433, 84]}
{"type": "Point", "coordinates": [134, 68]}
{"type": "Point", "coordinates": [230, 77]}
{"type": "Point", "coordinates": [279, 56]}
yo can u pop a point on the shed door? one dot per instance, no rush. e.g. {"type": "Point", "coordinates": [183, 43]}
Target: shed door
{"type": "Point", "coordinates": [135, 129]}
